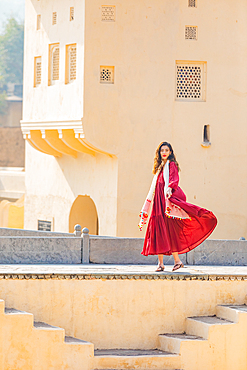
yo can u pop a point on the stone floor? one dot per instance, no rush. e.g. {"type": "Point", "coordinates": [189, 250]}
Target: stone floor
{"type": "Point", "coordinates": [123, 271]}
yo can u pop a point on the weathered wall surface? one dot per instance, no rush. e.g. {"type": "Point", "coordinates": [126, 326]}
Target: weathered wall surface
{"type": "Point", "coordinates": [119, 313]}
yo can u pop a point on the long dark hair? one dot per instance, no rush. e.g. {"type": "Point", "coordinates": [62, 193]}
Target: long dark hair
{"type": "Point", "coordinates": [158, 160]}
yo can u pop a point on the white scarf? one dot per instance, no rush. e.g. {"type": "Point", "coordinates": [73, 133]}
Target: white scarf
{"type": "Point", "coordinates": [154, 182]}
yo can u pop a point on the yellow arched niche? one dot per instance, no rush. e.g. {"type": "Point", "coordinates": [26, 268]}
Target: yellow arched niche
{"type": "Point", "coordinates": [84, 213]}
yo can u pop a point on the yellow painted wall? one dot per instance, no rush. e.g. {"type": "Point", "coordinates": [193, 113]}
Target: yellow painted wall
{"type": "Point", "coordinates": [120, 313]}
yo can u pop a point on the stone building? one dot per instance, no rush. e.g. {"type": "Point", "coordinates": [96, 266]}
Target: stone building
{"type": "Point", "coordinates": [105, 84]}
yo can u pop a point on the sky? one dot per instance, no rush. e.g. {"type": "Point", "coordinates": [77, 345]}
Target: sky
{"type": "Point", "coordinates": [11, 8]}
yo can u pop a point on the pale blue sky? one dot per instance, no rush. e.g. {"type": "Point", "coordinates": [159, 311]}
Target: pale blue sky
{"type": "Point", "coordinates": [9, 8]}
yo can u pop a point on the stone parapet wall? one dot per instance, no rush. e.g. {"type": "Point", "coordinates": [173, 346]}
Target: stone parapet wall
{"type": "Point", "coordinates": [128, 251]}
{"type": "Point", "coordinates": [29, 250]}
{"type": "Point", "coordinates": [23, 246]}
{"type": "Point", "coordinates": [6, 231]}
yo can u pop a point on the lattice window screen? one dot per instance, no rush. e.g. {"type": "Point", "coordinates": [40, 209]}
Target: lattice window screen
{"type": "Point", "coordinates": [37, 71]}
{"type": "Point", "coordinates": [55, 63]}
{"type": "Point", "coordinates": [191, 81]}
{"type": "Point", "coordinates": [190, 33]}
{"type": "Point", "coordinates": [72, 14]}
{"type": "Point", "coordinates": [72, 62]}
{"type": "Point", "coordinates": [106, 74]}
{"type": "Point", "coordinates": [192, 3]}
{"type": "Point", "coordinates": [54, 18]}
{"type": "Point", "coordinates": [38, 21]}
{"type": "Point", "coordinates": [108, 13]}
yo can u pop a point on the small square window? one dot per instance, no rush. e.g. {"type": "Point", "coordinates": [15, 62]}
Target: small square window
{"type": "Point", "coordinates": [72, 14]}
{"type": "Point", "coordinates": [54, 18]}
{"type": "Point", "coordinates": [192, 3]}
{"type": "Point", "coordinates": [38, 21]}
{"type": "Point", "coordinates": [107, 74]}
{"type": "Point", "coordinates": [190, 33]}
{"type": "Point", "coordinates": [108, 13]}
{"type": "Point", "coordinates": [37, 71]}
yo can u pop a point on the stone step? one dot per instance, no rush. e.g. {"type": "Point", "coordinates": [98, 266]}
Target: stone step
{"type": "Point", "coordinates": [231, 312]}
{"type": "Point", "coordinates": [200, 325]}
{"type": "Point", "coordinates": [135, 358]}
{"type": "Point", "coordinates": [46, 346]}
{"type": "Point", "coordinates": [173, 342]}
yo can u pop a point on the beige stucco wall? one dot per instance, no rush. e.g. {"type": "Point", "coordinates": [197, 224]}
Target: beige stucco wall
{"type": "Point", "coordinates": [58, 102]}
{"type": "Point", "coordinates": [132, 116]}
{"type": "Point", "coordinates": [148, 39]}
{"type": "Point", "coordinates": [120, 313]}
{"type": "Point", "coordinates": [51, 193]}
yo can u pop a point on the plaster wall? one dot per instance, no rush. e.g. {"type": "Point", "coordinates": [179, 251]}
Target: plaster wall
{"type": "Point", "coordinates": [132, 116]}
{"type": "Point", "coordinates": [59, 101]}
{"type": "Point", "coordinates": [53, 184]}
{"type": "Point", "coordinates": [143, 45]}
{"type": "Point", "coordinates": [120, 313]}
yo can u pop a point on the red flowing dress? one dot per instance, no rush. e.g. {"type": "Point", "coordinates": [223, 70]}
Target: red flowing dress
{"type": "Point", "coordinates": [168, 235]}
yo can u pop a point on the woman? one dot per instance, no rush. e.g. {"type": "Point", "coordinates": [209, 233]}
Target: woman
{"type": "Point", "coordinates": [175, 226]}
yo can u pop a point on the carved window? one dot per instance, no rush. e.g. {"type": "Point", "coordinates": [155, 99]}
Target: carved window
{"type": "Point", "coordinates": [72, 13]}
{"type": "Point", "coordinates": [191, 81]}
{"type": "Point", "coordinates": [190, 33]}
{"type": "Point", "coordinates": [108, 13]}
{"type": "Point", "coordinates": [37, 71]}
{"type": "Point", "coordinates": [54, 18]}
{"type": "Point", "coordinates": [54, 56]}
{"type": "Point", "coordinates": [38, 21]}
{"type": "Point", "coordinates": [71, 56]}
{"type": "Point", "coordinates": [106, 75]}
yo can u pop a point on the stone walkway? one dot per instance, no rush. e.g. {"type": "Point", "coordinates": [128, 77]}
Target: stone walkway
{"type": "Point", "coordinates": [92, 271]}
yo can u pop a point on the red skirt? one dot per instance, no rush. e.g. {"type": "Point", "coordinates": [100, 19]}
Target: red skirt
{"type": "Point", "coordinates": [167, 235]}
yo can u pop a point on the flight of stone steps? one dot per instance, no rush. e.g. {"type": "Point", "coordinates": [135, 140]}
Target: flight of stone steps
{"type": "Point", "coordinates": [210, 342]}
{"type": "Point", "coordinates": [29, 345]}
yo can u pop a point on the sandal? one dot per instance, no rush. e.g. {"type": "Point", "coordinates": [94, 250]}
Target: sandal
{"type": "Point", "coordinates": [178, 266]}
{"type": "Point", "coordinates": [160, 268]}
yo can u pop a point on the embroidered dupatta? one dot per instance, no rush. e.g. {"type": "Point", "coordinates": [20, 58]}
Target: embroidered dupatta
{"type": "Point", "coordinates": [172, 210]}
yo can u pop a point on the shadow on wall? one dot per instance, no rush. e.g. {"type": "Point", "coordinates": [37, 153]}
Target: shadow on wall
{"type": "Point", "coordinates": [84, 213]}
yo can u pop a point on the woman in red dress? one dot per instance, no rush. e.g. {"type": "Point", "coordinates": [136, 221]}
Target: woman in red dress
{"type": "Point", "coordinates": [175, 226]}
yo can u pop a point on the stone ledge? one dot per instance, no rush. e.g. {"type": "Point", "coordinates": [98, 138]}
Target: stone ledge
{"type": "Point", "coordinates": [95, 276]}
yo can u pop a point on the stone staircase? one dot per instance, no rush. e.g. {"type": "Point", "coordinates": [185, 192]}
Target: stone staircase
{"type": "Point", "coordinates": [209, 343]}
{"type": "Point", "coordinates": [29, 345]}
